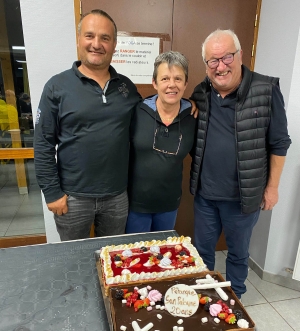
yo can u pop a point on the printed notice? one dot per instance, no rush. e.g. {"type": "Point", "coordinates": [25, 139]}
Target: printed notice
{"type": "Point", "coordinates": [181, 300]}
{"type": "Point", "coordinates": [134, 57]}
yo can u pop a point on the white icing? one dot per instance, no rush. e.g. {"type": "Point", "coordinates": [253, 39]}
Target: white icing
{"type": "Point", "coordinates": [155, 249]}
{"type": "Point", "coordinates": [127, 253]}
{"type": "Point", "coordinates": [143, 292]}
{"type": "Point", "coordinates": [165, 263]}
{"type": "Point", "coordinates": [243, 324]}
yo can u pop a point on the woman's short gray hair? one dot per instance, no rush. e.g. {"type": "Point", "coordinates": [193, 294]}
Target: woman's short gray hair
{"type": "Point", "coordinates": [172, 59]}
{"type": "Point", "coordinates": [218, 34]}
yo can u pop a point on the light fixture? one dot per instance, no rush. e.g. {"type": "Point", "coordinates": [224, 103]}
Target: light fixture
{"type": "Point", "coordinates": [19, 48]}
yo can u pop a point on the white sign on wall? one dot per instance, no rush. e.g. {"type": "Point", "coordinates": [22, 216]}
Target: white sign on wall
{"type": "Point", "coordinates": [134, 58]}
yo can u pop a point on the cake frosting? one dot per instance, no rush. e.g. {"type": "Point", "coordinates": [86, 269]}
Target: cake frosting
{"type": "Point", "coordinates": [149, 260]}
{"type": "Point", "coordinates": [158, 317]}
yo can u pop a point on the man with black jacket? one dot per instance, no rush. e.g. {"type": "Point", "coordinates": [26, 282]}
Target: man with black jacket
{"type": "Point", "coordinates": [86, 112]}
{"type": "Point", "coordinates": [242, 141]}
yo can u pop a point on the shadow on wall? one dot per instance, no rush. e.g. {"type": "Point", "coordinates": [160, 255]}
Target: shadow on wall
{"type": "Point", "coordinates": [274, 243]}
{"type": "Point", "coordinates": [292, 222]}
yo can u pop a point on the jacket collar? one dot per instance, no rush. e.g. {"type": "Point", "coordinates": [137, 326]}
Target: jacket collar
{"type": "Point", "coordinates": [149, 105]}
{"type": "Point", "coordinates": [112, 71]}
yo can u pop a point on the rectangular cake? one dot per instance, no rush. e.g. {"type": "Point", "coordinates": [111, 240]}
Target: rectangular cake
{"type": "Point", "coordinates": [148, 260]}
{"type": "Point", "coordinates": [146, 306]}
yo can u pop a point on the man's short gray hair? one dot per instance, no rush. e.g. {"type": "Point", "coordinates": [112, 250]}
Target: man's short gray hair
{"type": "Point", "coordinates": [217, 34]}
{"type": "Point", "coordinates": [172, 59]}
{"type": "Point", "coordinates": [100, 13]}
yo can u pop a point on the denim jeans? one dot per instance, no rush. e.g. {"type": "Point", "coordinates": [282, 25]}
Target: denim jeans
{"type": "Point", "coordinates": [146, 222]}
{"type": "Point", "coordinates": [108, 215]}
{"type": "Point", "coordinates": [210, 218]}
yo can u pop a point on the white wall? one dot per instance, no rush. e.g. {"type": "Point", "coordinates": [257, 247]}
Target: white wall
{"type": "Point", "coordinates": [50, 44]}
{"type": "Point", "coordinates": [278, 41]}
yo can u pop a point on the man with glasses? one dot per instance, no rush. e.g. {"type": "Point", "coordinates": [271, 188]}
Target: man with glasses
{"type": "Point", "coordinates": [241, 144]}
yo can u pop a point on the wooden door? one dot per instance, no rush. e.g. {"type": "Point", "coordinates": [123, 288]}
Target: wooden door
{"type": "Point", "coordinates": [188, 23]}
{"type": "Point", "coordinates": [194, 20]}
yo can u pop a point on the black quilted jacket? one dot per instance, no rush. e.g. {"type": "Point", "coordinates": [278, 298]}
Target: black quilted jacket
{"type": "Point", "coordinates": [253, 109]}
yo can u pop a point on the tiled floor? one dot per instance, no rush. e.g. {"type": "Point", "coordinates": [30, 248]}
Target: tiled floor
{"type": "Point", "coordinates": [20, 214]}
{"type": "Point", "coordinates": [272, 307]}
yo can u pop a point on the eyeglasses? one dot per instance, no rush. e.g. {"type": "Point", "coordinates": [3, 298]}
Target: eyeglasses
{"type": "Point", "coordinates": [226, 59]}
{"type": "Point", "coordinates": [163, 151]}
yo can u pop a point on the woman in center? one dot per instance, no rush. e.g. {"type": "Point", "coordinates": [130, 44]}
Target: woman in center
{"type": "Point", "coordinates": [162, 134]}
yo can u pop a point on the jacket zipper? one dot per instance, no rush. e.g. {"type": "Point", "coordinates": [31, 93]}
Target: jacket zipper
{"type": "Point", "coordinates": [204, 143]}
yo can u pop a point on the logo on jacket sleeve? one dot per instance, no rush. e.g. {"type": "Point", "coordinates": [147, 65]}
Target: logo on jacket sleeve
{"type": "Point", "coordinates": [123, 90]}
{"type": "Point", "coordinates": [38, 115]}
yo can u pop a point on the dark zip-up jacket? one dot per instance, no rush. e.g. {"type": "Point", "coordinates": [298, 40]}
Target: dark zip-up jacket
{"type": "Point", "coordinates": [90, 128]}
{"type": "Point", "coordinates": [156, 157]}
{"type": "Point", "coordinates": [253, 112]}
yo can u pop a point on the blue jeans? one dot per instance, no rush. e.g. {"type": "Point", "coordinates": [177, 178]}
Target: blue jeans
{"type": "Point", "coordinates": [146, 222]}
{"type": "Point", "coordinates": [210, 218]}
{"type": "Point", "coordinates": [108, 215]}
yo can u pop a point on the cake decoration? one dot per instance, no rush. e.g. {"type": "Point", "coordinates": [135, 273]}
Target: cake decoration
{"type": "Point", "coordinates": [154, 295]}
{"type": "Point", "coordinates": [155, 250]}
{"type": "Point", "coordinates": [222, 315]}
{"type": "Point", "coordinates": [149, 260]}
{"type": "Point", "coordinates": [238, 314]}
{"type": "Point", "coordinates": [230, 319]}
{"type": "Point", "coordinates": [152, 284]}
{"type": "Point", "coordinates": [243, 323]}
{"type": "Point", "coordinates": [218, 289]}
{"type": "Point", "coordinates": [144, 312]}
{"type": "Point", "coordinates": [203, 300]}
{"type": "Point", "coordinates": [136, 327]}
{"type": "Point", "coordinates": [215, 309]}
{"type": "Point", "coordinates": [166, 263]}
{"type": "Point", "coordinates": [143, 292]}
{"type": "Point", "coordinates": [181, 300]}
{"type": "Point", "coordinates": [127, 253]}
{"type": "Point", "coordinates": [204, 319]}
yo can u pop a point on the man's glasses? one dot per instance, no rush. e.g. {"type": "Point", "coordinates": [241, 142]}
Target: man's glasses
{"type": "Point", "coordinates": [226, 59]}
{"type": "Point", "coordinates": [163, 151]}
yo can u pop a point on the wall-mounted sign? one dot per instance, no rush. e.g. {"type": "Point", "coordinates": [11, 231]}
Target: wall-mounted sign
{"type": "Point", "coordinates": [134, 58]}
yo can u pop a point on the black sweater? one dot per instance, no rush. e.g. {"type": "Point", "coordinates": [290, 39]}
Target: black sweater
{"type": "Point", "coordinates": [90, 128]}
{"type": "Point", "coordinates": [155, 177]}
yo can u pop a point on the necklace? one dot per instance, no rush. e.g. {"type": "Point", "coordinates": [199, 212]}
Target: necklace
{"type": "Point", "coordinates": [167, 118]}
